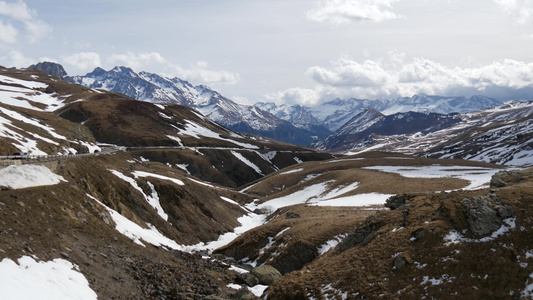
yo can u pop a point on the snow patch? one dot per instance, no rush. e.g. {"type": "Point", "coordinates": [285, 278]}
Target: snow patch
{"type": "Point", "coordinates": [479, 177]}
{"type": "Point", "coordinates": [23, 176]}
{"type": "Point", "coordinates": [247, 162]}
{"type": "Point", "coordinates": [292, 171]}
{"type": "Point", "coordinates": [136, 233]}
{"type": "Point", "coordinates": [358, 200]}
{"type": "Point", "coordinates": [151, 199]}
{"type": "Point", "coordinates": [454, 237]}
{"type": "Point", "coordinates": [57, 279]}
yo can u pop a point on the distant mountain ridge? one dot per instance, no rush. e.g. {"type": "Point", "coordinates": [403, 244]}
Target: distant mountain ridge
{"type": "Point", "coordinates": [334, 114]}
{"type": "Point", "coordinates": [503, 134]}
{"type": "Point", "coordinates": [159, 89]}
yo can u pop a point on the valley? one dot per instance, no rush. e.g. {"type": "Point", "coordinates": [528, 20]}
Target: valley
{"type": "Point", "coordinates": [184, 207]}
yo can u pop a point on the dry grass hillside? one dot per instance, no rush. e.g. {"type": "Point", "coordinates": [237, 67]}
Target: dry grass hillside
{"type": "Point", "coordinates": [424, 248]}
{"type": "Point", "coordinates": [427, 250]}
{"type": "Point", "coordinates": [65, 221]}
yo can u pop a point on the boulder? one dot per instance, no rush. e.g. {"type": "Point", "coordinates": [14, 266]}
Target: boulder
{"type": "Point", "coordinates": [291, 215]}
{"type": "Point", "coordinates": [266, 274]}
{"type": "Point", "coordinates": [248, 279]}
{"type": "Point", "coordinates": [485, 214]}
{"type": "Point", "coordinates": [294, 257]}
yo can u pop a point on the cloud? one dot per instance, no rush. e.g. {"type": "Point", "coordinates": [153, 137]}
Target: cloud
{"type": "Point", "coordinates": [17, 10]}
{"type": "Point", "coordinates": [394, 76]}
{"type": "Point", "coordinates": [8, 33]}
{"type": "Point", "coordinates": [296, 96]}
{"type": "Point", "coordinates": [199, 72]}
{"type": "Point", "coordinates": [16, 59]}
{"type": "Point", "coordinates": [85, 61]}
{"type": "Point", "coordinates": [135, 60]}
{"type": "Point", "coordinates": [37, 30]}
{"type": "Point", "coordinates": [20, 18]}
{"type": "Point", "coordinates": [519, 10]}
{"type": "Point", "coordinates": [348, 11]}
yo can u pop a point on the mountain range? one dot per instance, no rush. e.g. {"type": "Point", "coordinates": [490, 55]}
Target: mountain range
{"type": "Point", "coordinates": [296, 124]}
{"type": "Point", "coordinates": [502, 134]}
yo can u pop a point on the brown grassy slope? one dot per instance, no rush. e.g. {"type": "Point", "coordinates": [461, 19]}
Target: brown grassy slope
{"type": "Point", "coordinates": [346, 170]}
{"type": "Point", "coordinates": [117, 119]}
{"type": "Point", "coordinates": [61, 221]}
{"type": "Point", "coordinates": [478, 270]}
{"type": "Point", "coordinates": [195, 212]}
{"type": "Point", "coordinates": [307, 228]}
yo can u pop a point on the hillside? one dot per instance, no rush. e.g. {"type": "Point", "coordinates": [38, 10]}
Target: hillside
{"type": "Point", "coordinates": [26, 124]}
{"type": "Point", "coordinates": [175, 206]}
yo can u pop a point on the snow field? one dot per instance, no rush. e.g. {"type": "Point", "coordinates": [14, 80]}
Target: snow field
{"type": "Point", "coordinates": [57, 279]}
{"type": "Point", "coordinates": [23, 96]}
{"type": "Point", "coordinates": [319, 194]}
{"type": "Point", "coordinates": [136, 233]}
{"type": "Point", "coordinates": [479, 177]}
{"type": "Point", "coordinates": [24, 176]}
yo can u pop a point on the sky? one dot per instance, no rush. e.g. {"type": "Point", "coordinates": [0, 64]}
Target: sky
{"type": "Point", "coordinates": [287, 51]}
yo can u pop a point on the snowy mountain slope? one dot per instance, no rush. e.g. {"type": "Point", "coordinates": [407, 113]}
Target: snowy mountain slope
{"type": "Point", "coordinates": [370, 124]}
{"type": "Point", "coordinates": [26, 124]}
{"type": "Point", "coordinates": [498, 135]}
{"type": "Point", "coordinates": [501, 135]}
{"type": "Point", "coordinates": [177, 135]}
{"type": "Point", "coordinates": [294, 124]}
{"type": "Point", "coordinates": [334, 114]}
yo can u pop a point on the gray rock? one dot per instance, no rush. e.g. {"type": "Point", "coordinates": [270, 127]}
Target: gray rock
{"type": "Point", "coordinates": [291, 215]}
{"type": "Point", "coordinates": [485, 214]}
{"type": "Point", "coordinates": [398, 262]}
{"type": "Point", "coordinates": [360, 237]}
{"type": "Point", "coordinates": [419, 234]}
{"type": "Point", "coordinates": [294, 257]}
{"type": "Point", "coordinates": [248, 279]}
{"type": "Point", "coordinates": [266, 274]}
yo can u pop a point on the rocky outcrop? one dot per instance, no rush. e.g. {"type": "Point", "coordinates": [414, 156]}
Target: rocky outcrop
{"type": "Point", "coordinates": [49, 68]}
{"type": "Point", "coordinates": [504, 178]}
{"type": "Point", "coordinates": [361, 236]}
{"type": "Point", "coordinates": [295, 257]}
{"type": "Point", "coordinates": [398, 201]}
{"type": "Point", "coordinates": [485, 214]}
{"type": "Point", "coordinates": [266, 274]}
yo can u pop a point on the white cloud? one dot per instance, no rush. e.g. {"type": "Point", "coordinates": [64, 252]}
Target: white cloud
{"type": "Point", "coordinates": [8, 33]}
{"type": "Point", "coordinates": [85, 61]}
{"type": "Point", "coordinates": [16, 59]}
{"type": "Point", "coordinates": [394, 76]}
{"type": "Point", "coordinates": [135, 60]}
{"type": "Point", "coordinates": [199, 72]}
{"type": "Point", "coordinates": [520, 10]}
{"type": "Point", "coordinates": [16, 10]}
{"type": "Point", "coordinates": [21, 17]}
{"type": "Point", "coordinates": [347, 11]}
{"type": "Point", "coordinates": [37, 30]}
{"type": "Point", "coordinates": [297, 96]}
